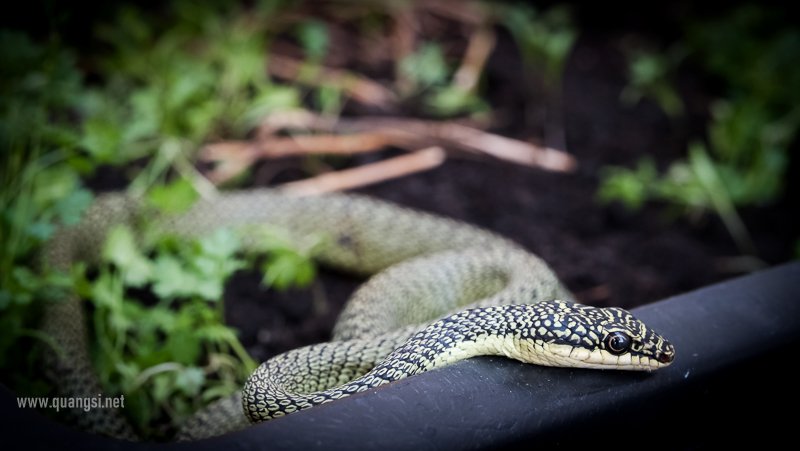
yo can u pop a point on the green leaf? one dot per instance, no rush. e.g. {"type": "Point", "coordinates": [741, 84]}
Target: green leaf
{"type": "Point", "coordinates": [190, 380]}
{"type": "Point", "coordinates": [40, 230]}
{"type": "Point", "coordinates": [176, 197]}
{"type": "Point", "coordinates": [216, 392]}
{"type": "Point", "coordinates": [71, 208]}
{"type": "Point", "coordinates": [146, 117]}
{"type": "Point", "coordinates": [5, 299]}
{"type": "Point", "coordinates": [119, 321]}
{"type": "Point", "coordinates": [26, 278]}
{"type": "Point", "coordinates": [210, 290]}
{"type": "Point", "coordinates": [217, 333]}
{"type": "Point", "coordinates": [55, 285]}
{"type": "Point", "coordinates": [426, 66]}
{"type": "Point", "coordinates": [162, 386]}
{"type": "Point", "coordinates": [107, 291]}
{"type": "Point", "coordinates": [101, 138]}
{"type": "Point", "coordinates": [122, 250]}
{"type": "Point", "coordinates": [222, 244]}
{"type": "Point", "coordinates": [284, 269]}
{"type": "Point", "coordinates": [184, 346]}
{"type": "Point", "coordinates": [53, 184]}
{"type": "Point", "coordinates": [450, 100]}
{"type": "Point", "coordinates": [139, 407]}
{"type": "Point", "coordinates": [161, 317]}
{"type": "Point", "coordinates": [81, 284]}
{"type": "Point", "coordinates": [313, 36]}
{"type": "Point", "coordinates": [305, 272]}
{"type": "Point", "coordinates": [23, 298]}
{"type": "Point", "coordinates": [120, 247]}
{"type": "Point", "coordinates": [270, 99]}
{"type": "Point", "coordinates": [329, 99]}
{"type": "Point", "coordinates": [632, 188]}
{"type": "Point", "coordinates": [170, 279]}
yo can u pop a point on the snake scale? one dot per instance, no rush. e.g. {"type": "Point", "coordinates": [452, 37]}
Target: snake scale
{"type": "Point", "coordinates": [441, 291]}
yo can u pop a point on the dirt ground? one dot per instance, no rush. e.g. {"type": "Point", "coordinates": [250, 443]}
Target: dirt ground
{"type": "Point", "coordinates": [605, 254]}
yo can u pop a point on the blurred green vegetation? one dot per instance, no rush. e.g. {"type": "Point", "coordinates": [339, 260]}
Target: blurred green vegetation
{"type": "Point", "coordinates": [167, 85]}
{"type": "Point", "coordinates": [545, 38]}
{"type": "Point", "coordinates": [652, 74]}
{"type": "Point", "coordinates": [744, 159]}
{"type": "Point", "coordinates": [429, 73]}
{"type": "Point", "coordinates": [40, 189]}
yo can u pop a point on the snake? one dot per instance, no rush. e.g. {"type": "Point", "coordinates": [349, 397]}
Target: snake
{"type": "Point", "coordinates": [439, 291]}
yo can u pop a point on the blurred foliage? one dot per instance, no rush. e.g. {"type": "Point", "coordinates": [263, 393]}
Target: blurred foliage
{"type": "Point", "coordinates": [151, 354]}
{"type": "Point", "coordinates": [426, 66]}
{"type": "Point", "coordinates": [750, 131]}
{"type": "Point", "coordinates": [653, 75]}
{"type": "Point", "coordinates": [168, 91]}
{"type": "Point", "coordinates": [40, 188]}
{"type": "Point", "coordinates": [427, 71]}
{"type": "Point", "coordinates": [544, 38]}
{"type": "Point", "coordinates": [167, 84]}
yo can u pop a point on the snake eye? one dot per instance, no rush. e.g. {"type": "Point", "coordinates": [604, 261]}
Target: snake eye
{"type": "Point", "coordinates": [618, 343]}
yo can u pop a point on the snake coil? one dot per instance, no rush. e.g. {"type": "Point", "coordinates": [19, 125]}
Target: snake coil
{"type": "Point", "coordinates": [489, 295]}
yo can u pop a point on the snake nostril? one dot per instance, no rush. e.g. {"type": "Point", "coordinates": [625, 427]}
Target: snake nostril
{"type": "Point", "coordinates": [666, 358]}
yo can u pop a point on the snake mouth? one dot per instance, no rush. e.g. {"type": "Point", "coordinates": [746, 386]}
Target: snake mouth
{"type": "Point", "coordinates": [666, 357]}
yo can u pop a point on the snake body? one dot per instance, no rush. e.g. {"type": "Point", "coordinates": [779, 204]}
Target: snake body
{"type": "Point", "coordinates": [443, 291]}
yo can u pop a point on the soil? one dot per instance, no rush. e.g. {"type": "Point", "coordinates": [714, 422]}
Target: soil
{"type": "Point", "coordinates": [606, 255]}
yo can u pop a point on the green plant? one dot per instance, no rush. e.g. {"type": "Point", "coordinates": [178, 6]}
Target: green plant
{"type": "Point", "coordinates": [428, 72]}
{"type": "Point", "coordinates": [174, 357]}
{"type": "Point", "coordinates": [152, 354]}
{"type": "Point", "coordinates": [750, 131]}
{"type": "Point", "coordinates": [694, 185]}
{"type": "Point", "coordinates": [170, 90]}
{"type": "Point", "coordinates": [40, 190]}
{"type": "Point", "coordinates": [652, 75]}
{"type": "Point", "coordinates": [544, 38]}
{"type": "Point", "coordinates": [167, 86]}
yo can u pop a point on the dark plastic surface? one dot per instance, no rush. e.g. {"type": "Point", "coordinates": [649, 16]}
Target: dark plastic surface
{"type": "Point", "coordinates": [734, 380]}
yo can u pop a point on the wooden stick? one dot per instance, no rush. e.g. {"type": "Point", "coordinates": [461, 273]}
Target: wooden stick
{"type": "Point", "coordinates": [236, 156]}
{"type": "Point", "coordinates": [481, 44]}
{"type": "Point", "coordinates": [468, 138]}
{"type": "Point", "coordinates": [413, 132]}
{"type": "Point", "coordinates": [356, 86]}
{"type": "Point", "coordinates": [368, 174]}
{"type": "Point", "coordinates": [376, 133]}
{"type": "Point", "coordinates": [509, 149]}
{"type": "Point", "coordinates": [298, 145]}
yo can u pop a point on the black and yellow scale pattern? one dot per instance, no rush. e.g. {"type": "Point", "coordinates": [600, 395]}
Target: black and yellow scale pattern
{"type": "Point", "coordinates": [552, 333]}
{"type": "Point", "coordinates": [425, 268]}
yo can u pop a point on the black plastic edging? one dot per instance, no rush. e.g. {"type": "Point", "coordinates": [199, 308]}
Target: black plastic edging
{"type": "Point", "coordinates": [732, 381]}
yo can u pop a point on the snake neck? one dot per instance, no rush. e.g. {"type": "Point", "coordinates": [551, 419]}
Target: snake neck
{"type": "Point", "coordinates": [480, 331]}
{"type": "Point", "coordinates": [474, 332]}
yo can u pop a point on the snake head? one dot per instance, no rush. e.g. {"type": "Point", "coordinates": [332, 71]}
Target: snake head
{"type": "Point", "coordinates": [608, 338]}
{"type": "Point", "coordinates": [630, 340]}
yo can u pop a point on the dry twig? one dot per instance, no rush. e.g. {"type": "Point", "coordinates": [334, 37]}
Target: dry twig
{"type": "Point", "coordinates": [372, 133]}
{"type": "Point", "coordinates": [236, 156]}
{"type": "Point", "coordinates": [451, 134]}
{"type": "Point", "coordinates": [481, 44]}
{"type": "Point", "coordinates": [368, 174]}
